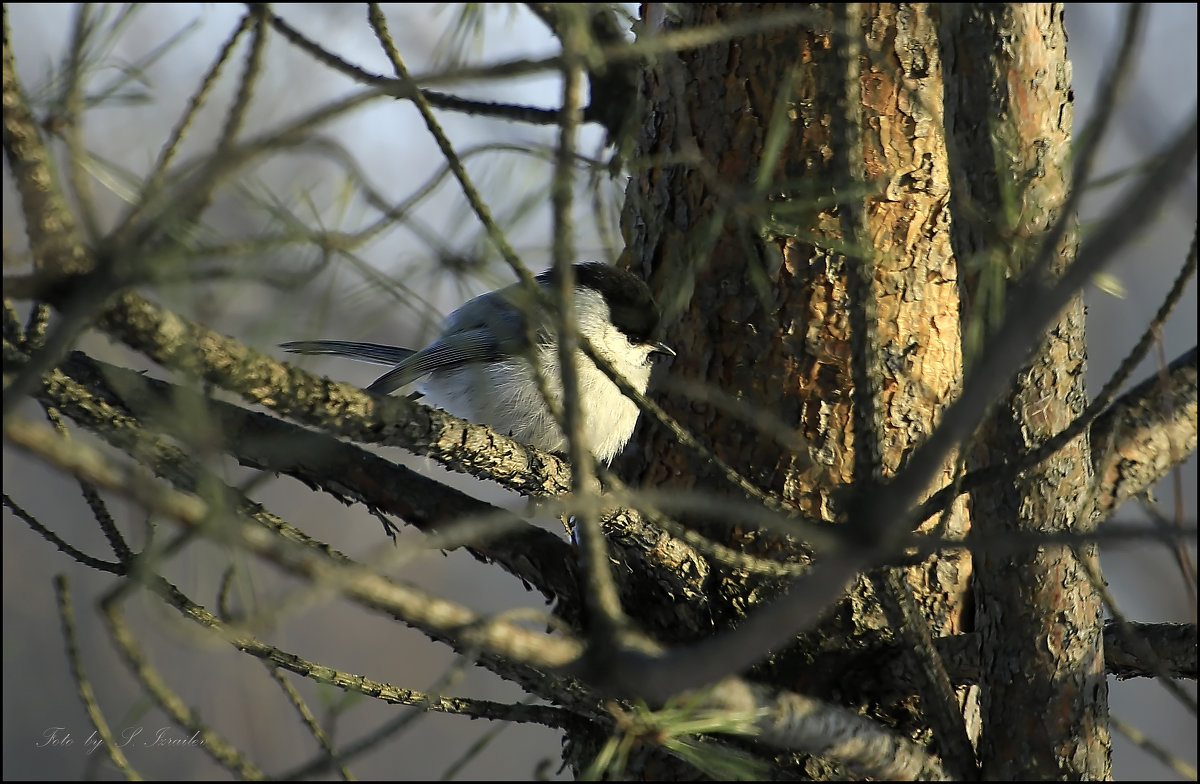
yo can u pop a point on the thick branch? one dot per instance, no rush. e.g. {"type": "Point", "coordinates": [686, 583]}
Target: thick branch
{"type": "Point", "coordinates": [792, 721]}
{"type": "Point", "coordinates": [342, 409]}
{"type": "Point", "coordinates": [537, 557]}
{"type": "Point", "coordinates": [1145, 433]}
{"type": "Point", "coordinates": [49, 223]}
{"type": "Point", "coordinates": [1173, 644]}
{"type": "Point", "coordinates": [510, 650]}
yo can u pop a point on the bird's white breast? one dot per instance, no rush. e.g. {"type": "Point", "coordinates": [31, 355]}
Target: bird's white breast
{"type": "Point", "coordinates": [505, 396]}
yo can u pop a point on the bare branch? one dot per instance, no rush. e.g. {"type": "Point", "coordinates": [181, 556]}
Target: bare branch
{"type": "Point", "coordinates": [537, 557]}
{"type": "Point", "coordinates": [66, 614]}
{"type": "Point", "coordinates": [797, 723]}
{"type": "Point", "coordinates": [342, 409]}
{"type": "Point", "coordinates": [88, 464]}
{"type": "Point", "coordinates": [1146, 432]}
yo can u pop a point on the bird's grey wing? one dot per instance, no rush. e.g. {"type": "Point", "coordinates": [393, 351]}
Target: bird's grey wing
{"type": "Point", "coordinates": [489, 327]}
{"type": "Point", "coordinates": [368, 352]}
{"type": "Point", "coordinates": [447, 352]}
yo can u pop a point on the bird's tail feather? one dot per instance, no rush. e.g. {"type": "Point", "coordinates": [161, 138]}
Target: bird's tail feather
{"type": "Point", "coordinates": [378, 353]}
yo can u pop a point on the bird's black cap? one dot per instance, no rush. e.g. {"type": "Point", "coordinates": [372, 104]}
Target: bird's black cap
{"type": "Point", "coordinates": [630, 304]}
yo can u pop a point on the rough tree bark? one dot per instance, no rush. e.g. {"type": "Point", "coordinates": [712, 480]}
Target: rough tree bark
{"type": "Point", "coordinates": [832, 213]}
{"type": "Point", "coordinates": [769, 319]}
{"type": "Point", "coordinates": [1044, 694]}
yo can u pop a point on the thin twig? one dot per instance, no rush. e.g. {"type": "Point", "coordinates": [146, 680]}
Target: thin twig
{"type": "Point", "coordinates": [606, 617]}
{"type": "Point", "coordinates": [66, 615]}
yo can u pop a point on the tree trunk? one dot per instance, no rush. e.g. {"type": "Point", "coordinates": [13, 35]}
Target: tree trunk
{"type": "Point", "coordinates": [1044, 691]}
{"type": "Point", "coordinates": [768, 264]}
{"type": "Point", "coordinates": [762, 266]}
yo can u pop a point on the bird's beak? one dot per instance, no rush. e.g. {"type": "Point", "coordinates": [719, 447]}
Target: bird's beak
{"type": "Point", "coordinates": [661, 348]}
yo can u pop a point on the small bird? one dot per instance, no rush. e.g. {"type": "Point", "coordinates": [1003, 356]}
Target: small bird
{"type": "Point", "coordinates": [480, 366]}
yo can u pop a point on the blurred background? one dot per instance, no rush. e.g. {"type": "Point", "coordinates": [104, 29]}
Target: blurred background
{"type": "Point", "coordinates": [395, 289]}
